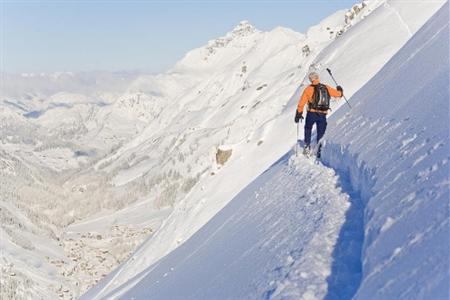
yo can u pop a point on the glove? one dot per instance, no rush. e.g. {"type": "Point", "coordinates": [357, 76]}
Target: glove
{"type": "Point", "coordinates": [339, 88]}
{"type": "Point", "coordinates": [298, 116]}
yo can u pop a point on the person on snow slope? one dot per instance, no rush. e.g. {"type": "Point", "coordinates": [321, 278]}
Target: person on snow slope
{"type": "Point", "coordinates": [317, 96]}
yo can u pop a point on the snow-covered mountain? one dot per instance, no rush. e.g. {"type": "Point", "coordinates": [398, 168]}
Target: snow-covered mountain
{"type": "Point", "coordinates": [269, 140]}
{"type": "Point", "coordinates": [126, 159]}
{"type": "Point", "coordinates": [351, 228]}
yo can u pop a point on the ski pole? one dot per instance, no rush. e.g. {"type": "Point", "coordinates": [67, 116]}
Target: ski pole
{"type": "Point", "coordinates": [332, 77]}
{"type": "Point", "coordinates": [296, 143]}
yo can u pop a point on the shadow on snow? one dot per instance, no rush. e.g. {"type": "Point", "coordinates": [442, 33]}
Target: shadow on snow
{"type": "Point", "coordinates": [346, 270]}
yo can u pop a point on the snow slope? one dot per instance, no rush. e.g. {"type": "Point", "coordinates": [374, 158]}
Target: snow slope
{"type": "Point", "coordinates": [99, 155]}
{"type": "Point", "coordinates": [96, 159]}
{"type": "Point", "coordinates": [395, 146]}
{"type": "Point", "coordinates": [264, 135]}
{"type": "Point", "coordinates": [288, 219]}
{"type": "Point", "coordinates": [295, 232]}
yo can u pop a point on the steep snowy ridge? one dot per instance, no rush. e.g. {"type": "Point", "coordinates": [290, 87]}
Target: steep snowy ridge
{"type": "Point", "coordinates": [259, 93]}
{"type": "Point", "coordinates": [59, 124]}
{"type": "Point", "coordinates": [214, 55]}
{"type": "Point", "coordinates": [96, 159]}
{"type": "Point", "coordinates": [224, 258]}
{"type": "Point", "coordinates": [395, 147]}
{"type": "Point", "coordinates": [257, 145]}
{"type": "Point", "coordinates": [296, 231]}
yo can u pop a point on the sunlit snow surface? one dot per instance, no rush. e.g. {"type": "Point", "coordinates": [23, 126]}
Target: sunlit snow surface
{"type": "Point", "coordinates": [118, 160]}
{"type": "Point", "coordinates": [304, 231]}
{"type": "Point", "coordinates": [395, 145]}
{"type": "Point", "coordinates": [274, 240]}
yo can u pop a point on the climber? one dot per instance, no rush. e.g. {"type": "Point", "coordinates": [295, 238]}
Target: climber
{"type": "Point", "coordinates": [317, 95]}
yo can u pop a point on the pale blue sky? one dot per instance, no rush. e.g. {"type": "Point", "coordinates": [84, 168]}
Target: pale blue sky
{"type": "Point", "coordinates": [46, 36]}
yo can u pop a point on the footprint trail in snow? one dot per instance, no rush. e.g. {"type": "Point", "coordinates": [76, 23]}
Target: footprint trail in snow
{"type": "Point", "coordinates": [282, 230]}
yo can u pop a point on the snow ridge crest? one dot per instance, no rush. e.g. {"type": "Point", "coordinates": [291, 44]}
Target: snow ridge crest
{"type": "Point", "coordinates": [243, 29]}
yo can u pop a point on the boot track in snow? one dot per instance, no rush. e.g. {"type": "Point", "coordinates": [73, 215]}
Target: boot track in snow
{"type": "Point", "coordinates": [293, 233]}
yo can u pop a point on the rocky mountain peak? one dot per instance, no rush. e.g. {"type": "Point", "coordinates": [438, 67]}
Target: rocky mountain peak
{"type": "Point", "coordinates": [243, 28]}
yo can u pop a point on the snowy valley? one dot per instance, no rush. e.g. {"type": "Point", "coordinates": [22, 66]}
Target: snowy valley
{"type": "Point", "coordinates": [182, 185]}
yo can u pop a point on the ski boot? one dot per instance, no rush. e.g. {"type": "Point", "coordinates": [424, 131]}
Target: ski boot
{"type": "Point", "coordinates": [319, 151]}
{"type": "Point", "coordinates": [307, 150]}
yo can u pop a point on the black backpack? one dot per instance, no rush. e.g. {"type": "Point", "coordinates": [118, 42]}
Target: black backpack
{"type": "Point", "coordinates": [321, 98]}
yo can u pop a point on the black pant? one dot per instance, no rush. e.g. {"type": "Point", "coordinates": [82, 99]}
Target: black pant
{"type": "Point", "coordinates": [321, 122]}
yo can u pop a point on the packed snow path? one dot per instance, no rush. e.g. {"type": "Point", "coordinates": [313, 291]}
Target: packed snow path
{"type": "Point", "coordinates": [277, 239]}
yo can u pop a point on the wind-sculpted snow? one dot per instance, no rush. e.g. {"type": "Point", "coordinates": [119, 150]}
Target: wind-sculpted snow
{"type": "Point", "coordinates": [394, 145]}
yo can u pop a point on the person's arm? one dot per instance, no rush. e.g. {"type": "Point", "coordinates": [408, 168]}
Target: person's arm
{"type": "Point", "coordinates": [334, 92]}
{"type": "Point", "coordinates": [306, 96]}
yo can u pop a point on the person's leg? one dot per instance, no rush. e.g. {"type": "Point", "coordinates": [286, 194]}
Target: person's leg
{"type": "Point", "coordinates": [321, 126]}
{"type": "Point", "coordinates": [309, 122]}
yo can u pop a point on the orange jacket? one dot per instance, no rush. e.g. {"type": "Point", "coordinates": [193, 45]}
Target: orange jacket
{"type": "Point", "coordinates": [308, 95]}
